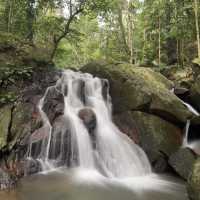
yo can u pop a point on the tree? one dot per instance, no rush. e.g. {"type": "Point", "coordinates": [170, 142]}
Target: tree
{"type": "Point", "coordinates": [196, 8]}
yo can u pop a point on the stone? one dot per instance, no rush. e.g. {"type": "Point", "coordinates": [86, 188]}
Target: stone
{"type": "Point", "coordinates": [139, 88]}
{"type": "Point", "coordinates": [53, 104]}
{"type": "Point", "coordinates": [158, 138]}
{"type": "Point", "coordinates": [182, 162]}
{"type": "Point", "coordinates": [21, 123]}
{"type": "Point", "coordinates": [182, 77]}
{"type": "Point", "coordinates": [195, 94]}
{"type": "Point", "coordinates": [32, 166]}
{"type": "Point", "coordinates": [127, 125]}
{"type": "Point", "coordinates": [88, 117]}
{"type": "Point", "coordinates": [62, 147]}
{"type": "Point", "coordinates": [194, 181]}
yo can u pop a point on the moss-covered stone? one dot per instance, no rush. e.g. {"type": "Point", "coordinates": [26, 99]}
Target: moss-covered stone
{"type": "Point", "coordinates": [5, 118]}
{"type": "Point", "coordinates": [182, 162]}
{"type": "Point", "coordinates": [21, 123]}
{"type": "Point", "coordinates": [157, 137]}
{"type": "Point", "coordinates": [138, 88]}
{"type": "Point", "coordinates": [195, 93]}
{"type": "Point", "coordinates": [180, 76]}
{"type": "Point", "coordinates": [194, 182]}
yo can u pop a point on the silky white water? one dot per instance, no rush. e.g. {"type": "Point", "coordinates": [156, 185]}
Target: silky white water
{"type": "Point", "coordinates": [114, 168]}
{"type": "Point", "coordinates": [194, 145]}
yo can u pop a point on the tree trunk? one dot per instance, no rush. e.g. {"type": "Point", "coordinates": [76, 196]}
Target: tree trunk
{"type": "Point", "coordinates": [144, 40]}
{"type": "Point", "coordinates": [122, 30]}
{"type": "Point", "coordinates": [197, 26]}
{"type": "Point", "coordinates": [130, 37]}
{"type": "Point", "coordinates": [159, 41]}
{"type": "Point", "coordinates": [30, 15]}
{"type": "Point", "coordinates": [9, 13]}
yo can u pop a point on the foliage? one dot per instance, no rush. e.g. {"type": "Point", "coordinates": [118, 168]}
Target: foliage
{"type": "Point", "coordinates": [157, 32]}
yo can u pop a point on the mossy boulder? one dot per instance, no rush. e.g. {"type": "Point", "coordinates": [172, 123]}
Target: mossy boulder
{"type": "Point", "coordinates": [138, 88]}
{"type": "Point", "coordinates": [182, 162]}
{"type": "Point", "coordinates": [5, 119]}
{"type": "Point", "coordinates": [194, 182]}
{"type": "Point", "coordinates": [180, 76]}
{"type": "Point", "coordinates": [21, 123]}
{"type": "Point", "coordinates": [159, 138]}
{"type": "Point", "coordinates": [195, 93]}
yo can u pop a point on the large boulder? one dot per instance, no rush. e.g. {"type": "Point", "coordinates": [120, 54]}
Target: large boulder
{"type": "Point", "coordinates": [182, 162]}
{"type": "Point", "coordinates": [20, 124]}
{"type": "Point", "coordinates": [127, 125]}
{"type": "Point", "coordinates": [159, 138]}
{"type": "Point", "coordinates": [53, 104]}
{"type": "Point", "coordinates": [88, 117]}
{"type": "Point", "coordinates": [180, 76]}
{"type": "Point", "coordinates": [195, 93]}
{"type": "Point", "coordinates": [194, 181]}
{"type": "Point", "coordinates": [138, 88]}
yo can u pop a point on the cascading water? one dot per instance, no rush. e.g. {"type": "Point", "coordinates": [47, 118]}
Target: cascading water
{"type": "Point", "coordinates": [91, 159]}
{"type": "Point", "coordinates": [194, 145]}
{"type": "Point", "coordinates": [114, 154]}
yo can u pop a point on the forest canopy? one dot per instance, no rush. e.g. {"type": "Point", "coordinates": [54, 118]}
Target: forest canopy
{"type": "Point", "coordinates": [74, 32]}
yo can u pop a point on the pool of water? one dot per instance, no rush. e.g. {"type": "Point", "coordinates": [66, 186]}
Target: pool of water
{"type": "Point", "coordinates": [81, 184]}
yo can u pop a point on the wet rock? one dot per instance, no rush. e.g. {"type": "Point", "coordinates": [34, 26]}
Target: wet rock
{"type": "Point", "coordinates": [53, 103]}
{"type": "Point", "coordinates": [194, 181]}
{"type": "Point", "coordinates": [32, 167]}
{"type": "Point", "coordinates": [182, 162]}
{"type": "Point", "coordinates": [105, 88]}
{"type": "Point", "coordinates": [180, 91]}
{"type": "Point", "coordinates": [89, 119]}
{"type": "Point", "coordinates": [63, 147]}
{"type": "Point", "coordinates": [138, 88]}
{"type": "Point", "coordinates": [127, 125]}
{"type": "Point", "coordinates": [159, 138]}
{"type": "Point", "coordinates": [195, 93]}
{"type": "Point", "coordinates": [21, 123]}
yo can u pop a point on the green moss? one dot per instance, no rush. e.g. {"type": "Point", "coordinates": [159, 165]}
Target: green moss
{"type": "Point", "coordinates": [21, 120]}
{"type": "Point", "coordinates": [194, 182]}
{"type": "Point", "coordinates": [139, 88]}
{"type": "Point", "coordinates": [157, 135]}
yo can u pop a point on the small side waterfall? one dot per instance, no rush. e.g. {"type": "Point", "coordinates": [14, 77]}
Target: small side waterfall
{"type": "Point", "coordinates": [185, 139]}
{"type": "Point", "coordinates": [194, 145]}
{"type": "Point", "coordinates": [74, 143]}
{"type": "Point", "coordinates": [191, 109]}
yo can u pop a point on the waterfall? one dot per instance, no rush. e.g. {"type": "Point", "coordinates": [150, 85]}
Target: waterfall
{"type": "Point", "coordinates": [99, 145]}
{"type": "Point", "coordinates": [191, 109]}
{"type": "Point", "coordinates": [194, 145]}
{"type": "Point", "coordinates": [185, 139]}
